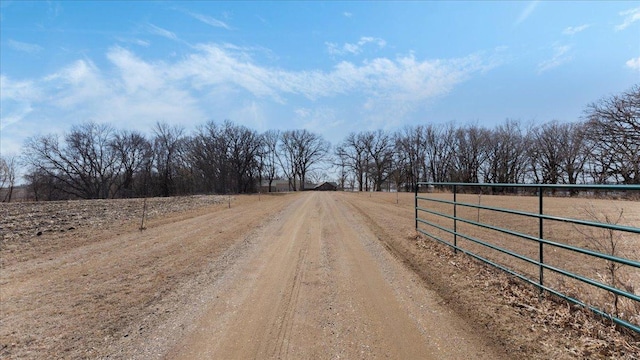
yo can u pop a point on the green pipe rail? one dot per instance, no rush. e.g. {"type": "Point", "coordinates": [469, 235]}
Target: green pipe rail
{"type": "Point", "coordinates": [427, 227]}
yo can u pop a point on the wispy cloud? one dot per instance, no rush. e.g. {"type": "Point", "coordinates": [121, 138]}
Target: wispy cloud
{"type": "Point", "coordinates": [209, 20]}
{"type": "Point", "coordinates": [153, 29]}
{"type": "Point", "coordinates": [634, 63]}
{"type": "Point", "coordinates": [262, 20]}
{"type": "Point", "coordinates": [526, 12]}
{"type": "Point", "coordinates": [14, 116]}
{"type": "Point", "coordinates": [347, 14]}
{"type": "Point", "coordinates": [630, 16]}
{"type": "Point", "coordinates": [134, 41]}
{"type": "Point", "coordinates": [317, 119]}
{"type": "Point", "coordinates": [560, 56]}
{"type": "Point", "coordinates": [16, 98]}
{"type": "Point", "coordinates": [572, 30]}
{"type": "Point", "coordinates": [54, 8]}
{"type": "Point", "coordinates": [354, 49]}
{"type": "Point", "coordinates": [220, 80]}
{"type": "Point", "coordinates": [17, 90]}
{"type": "Point", "coordinates": [24, 47]}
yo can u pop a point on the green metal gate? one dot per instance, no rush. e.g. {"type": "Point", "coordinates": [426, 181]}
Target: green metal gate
{"type": "Point", "coordinates": [551, 236]}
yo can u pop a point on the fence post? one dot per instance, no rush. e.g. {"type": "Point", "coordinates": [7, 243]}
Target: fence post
{"type": "Point", "coordinates": [415, 205]}
{"type": "Point", "coordinates": [455, 219]}
{"type": "Point", "coordinates": [541, 234]}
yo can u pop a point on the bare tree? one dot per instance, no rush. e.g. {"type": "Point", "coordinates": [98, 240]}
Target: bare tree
{"type": "Point", "coordinates": [575, 150]}
{"type": "Point", "coordinates": [168, 146]}
{"type": "Point", "coordinates": [7, 176]}
{"type": "Point", "coordinates": [135, 154]}
{"type": "Point", "coordinates": [42, 186]}
{"type": "Point", "coordinates": [340, 162]}
{"type": "Point", "coordinates": [439, 152]}
{"type": "Point", "coordinates": [470, 153]}
{"type": "Point", "coordinates": [399, 172]}
{"type": "Point", "coordinates": [613, 128]}
{"type": "Point", "coordinates": [287, 158]}
{"type": "Point", "coordinates": [410, 145]}
{"type": "Point", "coordinates": [208, 157]}
{"type": "Point", "coordinates": [353, 154]}
{"type": "Point", "coordinates": [225, 158]}
{"type": "Point", "coordinates": [302, 150]}
{"type": "Point", "coordinates": [269, 153]}
{"type": "Point", "coordinates": [242, 153]}
{"type": "Point", "coordinates": [507, 154]}
{"type": "Point", "coordinates": [379, 147]}
{"type": "Point", "coordinates": [557, 153]}
{"type": "Point", "coordinates": [84, 166]}
{"type": "Point", "coordinates": [545, 153]}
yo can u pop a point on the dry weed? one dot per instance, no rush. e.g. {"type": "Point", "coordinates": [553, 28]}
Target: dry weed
{"type": "Point", "coordinates": [557, 322]}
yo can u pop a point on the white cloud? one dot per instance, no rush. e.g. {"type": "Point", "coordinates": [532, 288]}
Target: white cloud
{"type": "Point", "coordinates": [209, 20]}
{"type": "Point", "coordinates": [319, 119]}
{"type": "Point", "coordinates": [354, 49]}
{"type": "Point", "coordinates": [302, 112]}
{"type": "Point", "coordinates": [134, 41]}
{"type": "Point", "coordinates": [24, 47]}
{"type": "Point", "coordinates": [134, 73]}
{"type": "Point", "coordinates": [560, 56]}
{"type": "Point", "coordinates": [403, 78]}
{"type": "Point", "coordinates": [161, 32]}
{"type": "Point", "coordinates": [133, 94]}
{"type": "Point", "coordinates": [54, 9]}
{"type": "Point", "coordinates": [14, 116]}
{"type": "Point", "coordinates": [220, 80]}
{"type": "Point", "coordinates": [634, 63]}
{"type": "Point", "coordinates": [250, 113]}
{"type": "Point", "coordinates": [347, 14]}
{"type": "Point", "coordinates": [630, 16]}
{"type": "Point", "coordinates": [572, 30]}
{"type": "Point", "coordinates": [17, 90]}
{"type": "Point", "coordinates": [526, 12]}
{"type": "Point", "coordinates": [16, 98]}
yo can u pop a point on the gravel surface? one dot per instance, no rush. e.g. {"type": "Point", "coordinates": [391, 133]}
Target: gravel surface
{"type": "Point", "coordinates": [310, 275]}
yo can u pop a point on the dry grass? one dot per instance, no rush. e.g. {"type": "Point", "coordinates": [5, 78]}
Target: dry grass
{"type": "Point", "coordinates": [625, 245]}
{"type": "Point", "coordinates": [577, 333]}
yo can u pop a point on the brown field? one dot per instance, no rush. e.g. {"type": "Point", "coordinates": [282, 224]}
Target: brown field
{"type": "Point", "coordinates": [627, 245]}
{"type": "Point", "coordinates": [307, 275]}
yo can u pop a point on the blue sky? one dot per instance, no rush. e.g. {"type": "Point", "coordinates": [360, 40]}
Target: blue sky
{"type": "Point", "coordinates": [329, 67]}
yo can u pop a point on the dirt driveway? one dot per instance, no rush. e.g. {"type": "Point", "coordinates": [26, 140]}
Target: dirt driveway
{"type": "Point", "coordinates": [320, 285]}
{"type": "Point", "coordinates": [300, 276]}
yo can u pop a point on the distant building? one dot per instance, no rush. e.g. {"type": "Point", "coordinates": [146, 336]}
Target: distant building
{"type": "Point", "coordinates": [282, 185]}
{"type": "Point", "coordinates": [326, 186]}
{"type": "Point", "coordinates": [278, 185]}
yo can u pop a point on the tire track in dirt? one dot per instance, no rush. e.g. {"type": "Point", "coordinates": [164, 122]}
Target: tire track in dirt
{"type": "Point", "coordinates": [287, 308]}
{"type": "Point", "coordinates": [219, 331]}
{"type": "Point", "coordinates": [320, 285]}
{"type": "Point", "coordinates": [287, 305]}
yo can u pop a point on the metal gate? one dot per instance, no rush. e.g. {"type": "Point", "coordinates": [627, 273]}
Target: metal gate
{"type": "Point", "coordinates": [573, 241]}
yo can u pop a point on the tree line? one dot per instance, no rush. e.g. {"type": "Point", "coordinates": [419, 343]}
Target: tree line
{"type": "Point", "coordinates": [95, 161]}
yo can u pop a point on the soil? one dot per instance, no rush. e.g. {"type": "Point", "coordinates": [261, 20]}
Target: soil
{"type": "Point", "coordinates": [306, 275]}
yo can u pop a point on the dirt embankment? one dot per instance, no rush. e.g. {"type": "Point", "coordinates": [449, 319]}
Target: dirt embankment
{"type": "Point", "coordinates": [285, 276]}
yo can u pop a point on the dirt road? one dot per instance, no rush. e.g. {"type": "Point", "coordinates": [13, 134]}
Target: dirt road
{"type": "Point", "coordinates": [320, 285]}
{"type": "Point", "coordinates": [294, 276]}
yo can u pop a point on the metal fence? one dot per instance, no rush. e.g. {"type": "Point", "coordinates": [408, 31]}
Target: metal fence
{"type": "Point", "coordinates": [574, 241]}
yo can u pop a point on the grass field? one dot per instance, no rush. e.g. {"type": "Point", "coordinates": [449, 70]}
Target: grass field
{"type": "Point", "coordinates": [618, 243]}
